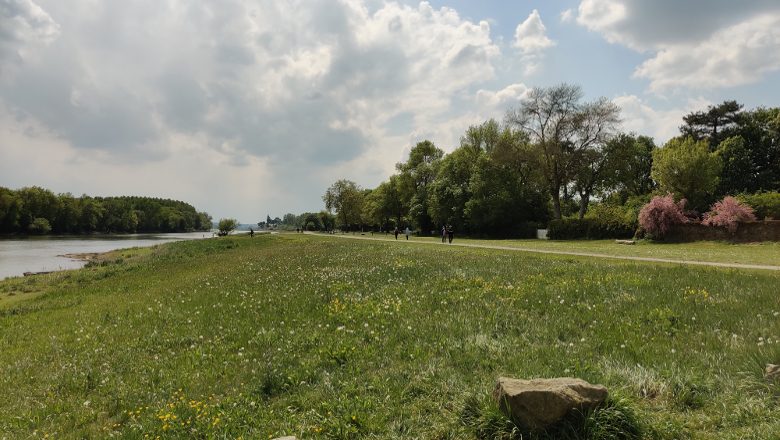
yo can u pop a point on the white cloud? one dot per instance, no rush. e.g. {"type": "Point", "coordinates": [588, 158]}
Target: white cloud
{"type": "Point", "coordinates": [740, 54]}
{"type": "Point", "coordinates": [641, 118]}
{"type": "Point", "coordinates": [22, 23]}
{"type": "Point", "coordinates": [567, 16]}
{"type": "Point", "coordinates": [531, 38]}
{"type": "Point", "coordinates": [697, 43]}
{"type": "Point", "coordinates": [303, 89]}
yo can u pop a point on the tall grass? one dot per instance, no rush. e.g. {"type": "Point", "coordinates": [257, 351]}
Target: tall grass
{"type": "Point", "coordinates": [322, 338]}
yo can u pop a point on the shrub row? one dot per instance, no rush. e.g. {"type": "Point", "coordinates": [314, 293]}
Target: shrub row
{"type": "Point", "coordinates": [765, 204]}
{"type": "Point", "coordinates": [571, 229]}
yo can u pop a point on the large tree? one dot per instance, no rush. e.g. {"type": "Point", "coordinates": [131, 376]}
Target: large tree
{"type": "Point", "coordinates": [416, 176]}
{"type": "Point", "coordinates": [686, 168]}
{"type": "Point", "coordinates": [564, 129]}
{"type": "Point", "coordinates": [346, 198]}
{"type": "Point", "coordinates": [630, 161]}
{"type": "Point", "coordinates": [714, 124]}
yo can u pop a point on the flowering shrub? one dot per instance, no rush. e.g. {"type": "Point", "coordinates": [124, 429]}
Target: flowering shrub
{"type": "Point", "coordinates": [728, 213]}
{"type": "Point", "coordinates": [658, 216]}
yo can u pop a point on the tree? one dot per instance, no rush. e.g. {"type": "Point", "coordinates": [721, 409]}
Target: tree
{"type": "Point", "coordinates": [481, 138]}
{"type": "Point", "coordinates": [563, 130]}
{"type": "Point", "coordinates": [737, 175]}
{"type": "Point", "coordinates": [686, 168]}
{"type": "Point", "coordinates": [500, 201]}
{"type": "Point", "coordinates": [450, 192]}
{"type": "Point", "coordinates": [714, 124]}
{"type": "Point", "coordinates": [346, 198]}
{"type": "Point", "coordinates": [10, 210]}
{"type": "Point", "coordinates": [327, 219]}
{"type": "Point", "coordinates": [310, 221]}
{"type": "Point", "coordinates": [227, 225]}
{"type": "Point", "coordinates": [416, 175]}
{"type": "Point", "coordinates": [39, 225]}
{"type": "Point", "coordinates": [630, 165]}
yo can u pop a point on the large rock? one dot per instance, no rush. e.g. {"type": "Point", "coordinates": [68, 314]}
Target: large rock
{"type": "Point", "coordinates": [539, 403]}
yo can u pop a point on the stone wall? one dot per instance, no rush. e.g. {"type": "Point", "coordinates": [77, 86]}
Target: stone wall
{"type": "Point", "coordinates": [768, 230]}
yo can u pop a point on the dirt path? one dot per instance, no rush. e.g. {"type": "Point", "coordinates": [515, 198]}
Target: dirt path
{"type": "Point", "coordinates": [576, 254]}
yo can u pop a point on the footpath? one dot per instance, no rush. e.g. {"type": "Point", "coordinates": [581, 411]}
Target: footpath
{"type": "Point", "coordinates": [575, 254]}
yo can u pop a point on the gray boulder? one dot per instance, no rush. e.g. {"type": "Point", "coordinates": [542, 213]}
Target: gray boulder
{"type": "Point", "coordinates": [539, 403]}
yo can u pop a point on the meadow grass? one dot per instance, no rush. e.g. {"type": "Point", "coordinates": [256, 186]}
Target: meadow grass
{"type": "Point", "coordinates": [322, 338]}
{"type": "Point", "coordinates": [762, 253]}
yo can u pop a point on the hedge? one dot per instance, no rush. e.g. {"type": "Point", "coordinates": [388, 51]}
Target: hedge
{"type": "Point", "coordinates": [572, 229]}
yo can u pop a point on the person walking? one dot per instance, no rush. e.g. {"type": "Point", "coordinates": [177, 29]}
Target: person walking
{"type": "Point", "coordinates": [450, 233]}
{"type": "Point", "coordinates": [251, 232]}
{"type": "Point", "coordinates": [407, 232]}
{"type": "Point", "coordinates": [396, 232]}
{"type": "Point", "coordinates": [443, 233]}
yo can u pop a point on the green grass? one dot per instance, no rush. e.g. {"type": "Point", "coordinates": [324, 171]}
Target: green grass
{"type": "Point", "coordinates": [324, 338]}
{"type": "Point", "coordinates": [764, 253]}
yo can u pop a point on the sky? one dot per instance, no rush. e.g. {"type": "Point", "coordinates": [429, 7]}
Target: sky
{"type": "Point", "coordinates": [248, 108]}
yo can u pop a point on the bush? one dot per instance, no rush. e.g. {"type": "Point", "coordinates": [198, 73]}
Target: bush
{"type": "Point", "coordinates": [729, 213]}
{"type": "Point", "coordinates": [588, 228]}
{"type": "Point", "coordinates": [616, 217]}
{"type": "Point", "coordinates": [39, 226]}
{"type": "Point", "coordinates": [226, 225]}
{"type": "Point", "coordinates": [658, 216]}
{"type": "Point", "coordinates": [765, 204]}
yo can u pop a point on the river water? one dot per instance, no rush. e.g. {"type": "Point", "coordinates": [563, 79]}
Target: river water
{"type": "Point", "coordinates": [40, 254]}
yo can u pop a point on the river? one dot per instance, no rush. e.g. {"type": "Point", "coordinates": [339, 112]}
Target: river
{"type": "Point", "coordinates": [41, 254]}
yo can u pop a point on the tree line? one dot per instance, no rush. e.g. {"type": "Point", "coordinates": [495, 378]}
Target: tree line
{"type": "Point", "coordinates": [36, 210]}
{"type": "Point", "coordinates": [556, 156]}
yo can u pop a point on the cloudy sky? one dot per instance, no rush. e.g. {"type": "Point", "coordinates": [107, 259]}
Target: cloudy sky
{"type": "Point", "coordinates": [252, 107]}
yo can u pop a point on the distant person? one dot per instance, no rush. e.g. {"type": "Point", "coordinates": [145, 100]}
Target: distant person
{"type": "Point", "coordinates": [450, 233]}
{"type": "Point", "coordinates": [443, 234]}
{"type": "Point", "coordinates": [396, 232]}
{"type": "Point", "coordinates": [251, 232]}
{"type": "Point", "coordinates": [407, 232]}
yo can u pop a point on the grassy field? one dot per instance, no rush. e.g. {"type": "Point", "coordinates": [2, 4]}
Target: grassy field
{"type": "Point", "coordinates": [324, 338]}
{"type": "Point", "coordinates": [765, 253]}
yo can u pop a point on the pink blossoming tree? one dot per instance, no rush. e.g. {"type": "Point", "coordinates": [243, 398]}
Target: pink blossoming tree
{"type": "Point", "coordinates": [729, 213]}
{"type": "Point", "coordinates": [657, 217]}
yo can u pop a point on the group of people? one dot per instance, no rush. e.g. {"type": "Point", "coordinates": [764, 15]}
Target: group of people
{"type": "Point", "coordinates": [447, 233]}
{"type": "Point", "coordinates": [407, 231]}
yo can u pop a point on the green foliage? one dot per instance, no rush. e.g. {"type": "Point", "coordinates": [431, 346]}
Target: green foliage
{"type": "Point", "coordinates": [227, 225]}
{"type": "Point", "coordinates": [415, 178]}
{"type": "Point", "coordinates": [39, 226]}
{"type": "Point", "coordinates": [588, 228]}
{"type": "Point", "coordinates": [765, 204]}
{"type": "Point", "coordinates": [615, 217]}
{"type": "Point", "coordinates": [737, 175]}
{"type": "Point", "coordinates": [687, 169]}
{"type": "Point", "coordinates": [346, 198]}
{"type": "Point", "coordinates": [450, 191]}
{"type": "Point", "coordinates": [500, 204]}
{"type": "Point", "coordinates": [68, 214]}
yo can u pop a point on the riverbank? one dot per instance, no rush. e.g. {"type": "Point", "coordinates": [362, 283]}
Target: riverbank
{"type": "Point", "coordinates": [51, 253]}
{"type": "Point", "coordinates": [295, 334]}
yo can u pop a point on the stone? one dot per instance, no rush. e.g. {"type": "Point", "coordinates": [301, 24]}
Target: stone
{"type": "Point", "coordinates": [625, 242]}
{"type": "Point", "coordinates": [772, 372]}
{"type": "Point", "coordinates": [539, 403]}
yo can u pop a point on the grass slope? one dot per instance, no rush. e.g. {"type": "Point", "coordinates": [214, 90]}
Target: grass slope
{"type": "Point", "coordinates": [315, 337]}
{"type": "Point", "coordinates": [762, 253]}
